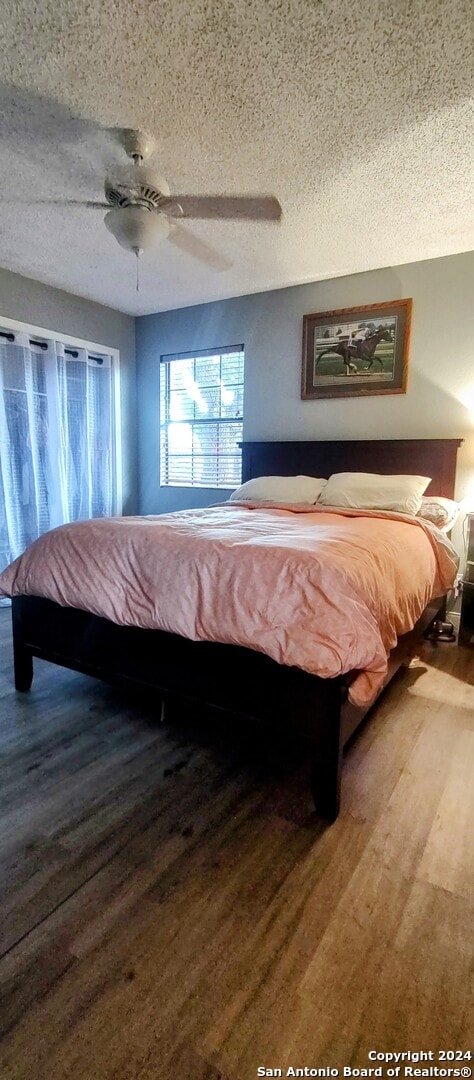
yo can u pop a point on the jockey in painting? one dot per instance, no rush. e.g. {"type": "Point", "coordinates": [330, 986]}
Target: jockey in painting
{"type": "Point", "coordinates": [356, 337]}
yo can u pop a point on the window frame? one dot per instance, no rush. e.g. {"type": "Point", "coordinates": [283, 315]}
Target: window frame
{"type": "Point", "coordinates": [166, 359]}
{"type": "Point", "coordinates": [41, 333]}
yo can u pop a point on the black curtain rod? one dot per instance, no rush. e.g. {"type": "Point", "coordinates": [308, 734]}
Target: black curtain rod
{"type": "Point", "coordinates": [43, 345]}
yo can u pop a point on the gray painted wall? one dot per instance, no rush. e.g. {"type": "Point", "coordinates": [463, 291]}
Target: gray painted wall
{"type": "Point", "coordinates": [440, 398]}
{"type": "Point", "coordinates": [40, 305]}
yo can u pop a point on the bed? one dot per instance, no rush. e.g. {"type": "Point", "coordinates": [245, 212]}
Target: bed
{"type": "Point", "coordinates": [229, 676]}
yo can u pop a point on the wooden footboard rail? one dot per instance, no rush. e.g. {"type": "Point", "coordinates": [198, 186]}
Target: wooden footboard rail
{"type": "Point", "coordinates": [228, 677]}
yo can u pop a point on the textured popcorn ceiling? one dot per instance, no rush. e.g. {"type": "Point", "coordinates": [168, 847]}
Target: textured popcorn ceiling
{"type": "Point", "coordinates": [355, 114]}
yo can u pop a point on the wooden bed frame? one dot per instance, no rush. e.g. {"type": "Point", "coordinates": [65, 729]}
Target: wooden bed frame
{"type": "Point", "coordinates": [227, 676]}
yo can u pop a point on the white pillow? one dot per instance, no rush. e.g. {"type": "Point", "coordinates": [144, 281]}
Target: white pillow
{"type": "Point", "coordinates": [280, 489]}
{"type": "Point", "coordinates": [442, 512]}
{"type": "Point", "coordinates": [372, 491]}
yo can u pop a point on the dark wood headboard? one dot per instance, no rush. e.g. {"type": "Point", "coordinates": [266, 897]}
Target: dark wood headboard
{"type": "Point", "coordinates": [425, 457]}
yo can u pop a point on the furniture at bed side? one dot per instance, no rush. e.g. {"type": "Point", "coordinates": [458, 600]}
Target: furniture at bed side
{"type": "Point", "coordinates": [466, 625]}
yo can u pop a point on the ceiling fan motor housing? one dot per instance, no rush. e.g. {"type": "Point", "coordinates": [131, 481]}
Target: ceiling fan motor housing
{"type": "Point", "coordinates": [136, 185]}
{"type": "Point", "coordinates": [136, 194]}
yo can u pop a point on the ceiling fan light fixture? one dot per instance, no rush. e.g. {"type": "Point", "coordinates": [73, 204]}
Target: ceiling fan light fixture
{"type": "Point", "coordinates": [136, 228]}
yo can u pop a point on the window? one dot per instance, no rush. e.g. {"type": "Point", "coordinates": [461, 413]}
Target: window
{"type": "Point", "coordinates": [58, 429]}
{"type": "Point", "coordinates": [201, 418]}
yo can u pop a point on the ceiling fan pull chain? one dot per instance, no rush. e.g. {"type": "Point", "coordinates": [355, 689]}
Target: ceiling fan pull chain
{"type": "Point", "coordinates": [138, 252]}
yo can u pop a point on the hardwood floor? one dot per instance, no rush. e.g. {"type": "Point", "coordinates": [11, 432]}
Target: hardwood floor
{"type": "Point", "coordinates": [171, 908]}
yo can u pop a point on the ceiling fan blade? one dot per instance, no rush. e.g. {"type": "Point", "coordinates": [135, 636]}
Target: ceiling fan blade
{"type": "Point", "coordinates": [186, 241]}
{"type": "Point", "coordinates": [222, 207]}
{"type": "Point", "coordinates": [94, 204]}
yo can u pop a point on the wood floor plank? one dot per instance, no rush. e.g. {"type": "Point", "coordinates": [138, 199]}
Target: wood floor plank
{"type": "Point", "coordinates": [447, 859]}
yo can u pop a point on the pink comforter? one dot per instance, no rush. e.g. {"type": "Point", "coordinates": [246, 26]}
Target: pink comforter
{"type": "Point", "coordinates": [328, 590]}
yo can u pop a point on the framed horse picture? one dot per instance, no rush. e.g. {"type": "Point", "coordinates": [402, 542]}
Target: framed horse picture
{"type": "Point", "coordinates": [356, 351]}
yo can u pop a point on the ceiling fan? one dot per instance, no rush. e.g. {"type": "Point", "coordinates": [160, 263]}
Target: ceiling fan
{"type": "Point", "coordinates": [142, 211]}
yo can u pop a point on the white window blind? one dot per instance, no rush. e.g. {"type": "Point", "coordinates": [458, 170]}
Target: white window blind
{"type": "Point", "coordinates": [57, 450]}
{"type": "Point", "coordinates": [201, 418]}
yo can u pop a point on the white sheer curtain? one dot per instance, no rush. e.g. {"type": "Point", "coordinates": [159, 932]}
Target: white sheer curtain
{"type": "Point", "coordinates": [56, 439]}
